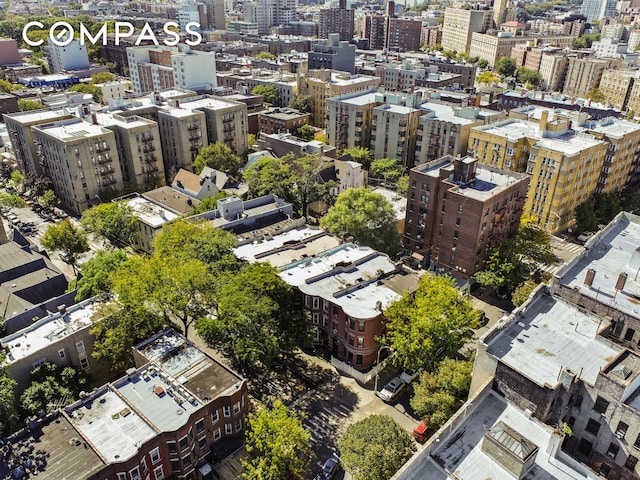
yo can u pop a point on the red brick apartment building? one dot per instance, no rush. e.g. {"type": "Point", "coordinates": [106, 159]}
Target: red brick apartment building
{"type": "Point", "coordinates": [161, 420]}
{"type": "Point", "coordinates": [457, 210]}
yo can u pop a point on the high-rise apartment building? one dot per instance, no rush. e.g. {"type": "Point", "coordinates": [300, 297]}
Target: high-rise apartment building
{"type": "Point", "coordinates": [70, 57]}
{"type": "Point", "coordinates": [336, 20]}
{"type": "Point", "coordinates": [21, 137]}
{"type": "Point", "coordinates": [596, 10]}
{"type": "Point", "coordinates": [375, 31]}
{"type": "Point", "coordinates": [584, 74]}
{"type": "Point", "coordinates": [349, 119]}
{"type": "Point", "coordinates": [332, 54]}
{"type": "Point", "coordinates": [9, 54]}
{"type": "Point", "coordinates": [565, 166]}
{"type": "Point", "coordinates": [403, 35]}
{"type": "Point", "coordinates": [162, 68]}
{"type": "Point", "coordinates": [323, 84]}
{"type": "Point", "coordinates": [402, 77]}
{"type": "Point", "coordinates": [82, 160]}
{"type": "Point", "coordinates": [394, 130]}
{"type": "Point", "coordinates": [617, 87]}
{"type": "Point", "coordinates": [460, 24]}
{"type": "Point", "coordinates": [215, 15]}
{"type": "Point", "coordinates": [457, 210]}
{"type": "Point", "coordinates": [268, 13]}
{"type": "Point", "coordinates": [182, 134]}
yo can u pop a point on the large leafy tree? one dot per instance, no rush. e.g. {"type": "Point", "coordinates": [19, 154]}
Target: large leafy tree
{"type": "Point", "coordinates": [305, 132]}
{"type": "Point", "coordinates": [429, 324]}
{"type": "Point", "coordinates": [119, 329]}
{"type": "Point", "coordinates": [270, 175]}
{"type": "Point", "coordinates": [8, 412]}
{"type": "Point", "coordinates": [437, 395]}
{"type": "Point", "coordinates": [367, 216]}
{"type": "Point", "coordinates": [279, 444]}
{"type": "Point", "coordinates": [375, 448]}
{"type": "Point", "coordinates": [97, 272]}
{"type": "Point", "coordinates": [49, 384]}
{"type": "Point", "coordinates": [506, 66]}
{"type": "Point", "coordinates": [67, 238]}
{"type": "Point", "coordinates": [269, 93]}
{"type": "Point", "coordinates": [302, 103]}
{"type": "Point", "coordinates": [197, 241]}
{"type": "Point", "coordinates": [114, 221]}
{"type": "Point", "coordinates": [256, 317]}
{"type": "Point", "coordinates": [172, 288]}
{"type": "Point", "coordinates": [387, 168]}
{"type": "Point", "coordinates": [360, 155]}
{"type": "Point", "coordinates": [218, 156]}
{"type": "Point", "coordinates": [528, 76]}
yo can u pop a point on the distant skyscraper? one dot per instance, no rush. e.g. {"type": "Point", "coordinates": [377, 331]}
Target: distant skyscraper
{"type": "Point", "coordinates": [336, 20]}
{"type": "Point", "coordinates": [499, 12]}
{"type": "Point", "coordinates": [598, 9]}
{"type": "Point", "coordinates": [215, 14]}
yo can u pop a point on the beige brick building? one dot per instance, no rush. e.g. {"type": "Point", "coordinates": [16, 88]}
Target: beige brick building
{"type": "Point", "coordinates": [182, 133]}
{"type": "Point", "coordinates": [553, 68]}
{"type": "Point", "coordinates": [584, 74]}
{"type": "Point", "coordinates": [394, 132]}
{"type": "Point", "coordinates": [81, 159]}
{"type": "Point", "coordinates": [617, 85]}
{"type": "Point", "coordinates": [349, 119]}
{"type": "Point", "coordinates": [459, 25]}
{"type": "Point", "coordinates": [493, 47]}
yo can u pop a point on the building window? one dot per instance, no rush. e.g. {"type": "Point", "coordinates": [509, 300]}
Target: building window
{"type": "Point", "coordinates": [215, 417]}
{"type": "Point", "coordinates": [80, 346]}
{"type": "Point", "coordinates": [236, 408]}
{"type": "Point", "coordinates": [628, 335]}
{"type": "Point", "coordinates": [216, 433]}
{"type": "Point", "coordinates": [316, 318]}
{"type": "Point", "coordinates": [601, 405]}
{"type": "Point", "coordinates": [226, 411]}
{"type": "Point", "coordinates": [61, 354]}
{"type": "Point", "coordinates": [144, 466]}
{"type": "Point", "coordinates": [613, 450]}
{"type": "Point", "coordinates": [316, 302]}
{"type": "Point", "coordinates": [593, 426]}
{"type": "Point", "coordinates": [621, 431]}
{"type": "Point", "coordinates": [637, 442]}
{"type": "Point", "coordinates": [172, 448]}
{"type": "Point", "coordinates": [631, 462]}
{"type": "Point", "coordinates": [361, 326]}
{"type": "Point", "coordinates": [135, 473]}
{"type": "Point", "coordinates": [228, 428]}
{"type": "Point", "coordinates": [183, 444]}
{"type": "Point", "coordinates": [200, 426]}
{"type": "Point", "coordinates": [84, 363]}
{"type": "Point", "coordinates": [158, 473]}
{"type": "Point", "coordinates": [121, 476]}
{"type": "Point", "coordinates": [360, 342]}
{"type": "Point", "coordinates": [238, 426]}
{"type": "Point", "coordinates": [155, 455]}
{"type": "Point", "coordinates": [202, 444]}
{"type": "Point", "coordinates": [358, 359]}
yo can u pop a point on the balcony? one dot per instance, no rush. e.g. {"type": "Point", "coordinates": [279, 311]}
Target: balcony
{"type": "Point", "coordinates": [149, 148]}
{"type": "Point", "coordinates": [147, 138]}
{"type": "Point", "coordinates": [194, 137]}
{"type": "Point", "coordinates": [109, 181]}
{"type": "Point", "coordinates": [150, 158]}
{"type": "Point", "coordinates": [193, 148]}
{"type": "Point", "coordinates": [104, 159]}
{"type": "Point", "coordinates": [106, 171]}
{"type": "Point", "coordinates": [103, 148]}
{"type": "Point", "coordinates": [193, 126]}
{"type": "Point", "coordinates": [152, 168]}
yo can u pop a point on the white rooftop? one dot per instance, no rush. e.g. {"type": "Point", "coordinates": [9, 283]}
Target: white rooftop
{"type": "Point", "coordinates": [445, 113]}
{"type": "Point", "coordinates": [547, 335]}
{"type": "Point", "coordinates": [610, 252]}
{"type": "Point", "coordinates": [150, 213]}
{"type": "Point", "coordinates": [73, 129]}
{"type": "Point", "coordinates": [459, 456]}
{"type": "Point", "coordinates": [397, 201]}
{"type": "Point", "coordinates": [38, 116]}
{"type": "Point", "coordinates": [358, 100]}
{"type": "Point", "coordinates": [48, 330]}
{"type": "Point", "coordinates": [112, 427]}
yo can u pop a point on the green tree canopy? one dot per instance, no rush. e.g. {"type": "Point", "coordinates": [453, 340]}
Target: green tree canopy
{"type": "Point", "coordinates": [89, 89]}
{"type": "Point", "coordinates": [49, 384]}
{"type": "Point", "coordinates": [596, 95]}
{"type": "Point", "coordinates": [12, 200]}
{"type": "Point", "coordinates": [402, 185]}
{"type": "Point", "coordinates": [429, 324]}
{"type": "Point", "coordinates": [586, 218]}
{"type": "Point", "coordinates": [302, 103]}
{"type": "Point", "coordinates": [360, 155]}
{"type": "Point", "coordinates": [367, 216]}
{"type": "Point", "coordinates": [305, 132]}
{"type": "Point", "coordinates": [114, 221]}
{"type": "Point", "coordinates": [102, 77]}
{"type": "Point", "coordinates": [375, 448]}
{"type": "Point", "coordinates": [27, 105]}
{"type": "Point", "coordinates": [175, 289]}
{"type": "Point", "coordinates": [218, 156]}
{"type": "Point", "coordinates": [279, 444]}
{"type": "Point", "coordinates": [97, 272]}
{"type": "Point", "coordinates": [521, 294]}
{"type": "Point", "coordinates": [265, 56]}
{"type": "Point", "coordinates": [48, 199]}
{"type": "Point", "coordinates": [506, 67]}
{"type": "Point", "coordinates": [256, 317]}
{"type": "Point", "coordinates": [482, 63]}
{"type": "Point", "coordinates": [8, 411]}
{"type": "Point", "coordinates": [269, 93]}
{"type": "Point", "coordinates": [526, 75]}
{"type": "Point", "coordinates": [185, 240]}
{"type": "Point", "coordinates": [387, 168]}
{"type": "Point", "coordinates": [585, 41]}
{"type": "Point", "coordinates": [210, 203]}
{"type": "Point", "coordinates": [119, 329]}
{"type": "Point", "coordinates": [67, 238]}
{"type": "Point", "coordinates": [7, 87]}
{"type": "Point", "coordinates": [487, 78]}
{"type": "Point", "coordinates": [270, 175]}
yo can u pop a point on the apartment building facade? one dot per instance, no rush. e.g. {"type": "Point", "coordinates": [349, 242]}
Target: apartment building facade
{"type": "Point", "coordinates": [281, 120]}
{"type": "Point", "coordinates": [350, 118]}
{"type": "Point", "coordinates": [336, 20]}
{"type": "Point", "coordinates": [332, 54]}
{"type": "Point", "coordinates": [394, 132]}
{"type": "Point", "coordinates": [565, 166]}
{"type": "Point", "coordinates": [459, 26]}
{"type": "Point", "coordinates": [457, 210]}
{"type": "Point", "coordinates": [81, 159]}
{"type": "Point", "coordinates": [182, 133]}
{"type": "Point", "coordinates": [584, 74]}
{"type": "Point", "coordinates": [617, 87]}
{"type": "Point", "coordinates": [401, 78]}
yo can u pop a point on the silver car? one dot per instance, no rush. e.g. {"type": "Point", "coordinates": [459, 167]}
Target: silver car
{"type": "Point", "coordinates": [392, 389]}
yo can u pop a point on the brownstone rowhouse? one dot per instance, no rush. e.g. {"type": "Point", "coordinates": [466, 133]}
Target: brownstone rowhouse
{"type": "Point", "coordinates": [458, 209]}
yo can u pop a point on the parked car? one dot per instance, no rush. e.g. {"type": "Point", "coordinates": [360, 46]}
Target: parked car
{"type": "Point", "coordinates": [392, 389]}
{"type": "Point", "coordinates": [420, 432]}
{"type": "Point", "coordinates": [329, 469]}
{"type": "Point", "coordinates": [408, 375]}
{"type": "Point", "coordinates": [584, 237]}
